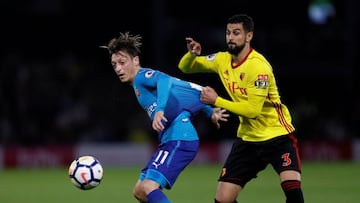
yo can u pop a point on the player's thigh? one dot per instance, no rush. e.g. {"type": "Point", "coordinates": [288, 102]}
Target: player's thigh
{"type": "Point", "coordinates": [170, 160]}
{"type": "Point", "coordinates": [284, 156]}
{"type": "Point", "coordinates": [242, 164]}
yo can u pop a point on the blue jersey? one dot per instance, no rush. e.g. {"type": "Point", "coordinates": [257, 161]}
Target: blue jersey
{"type": "Point", "coordinates": [157, 91]}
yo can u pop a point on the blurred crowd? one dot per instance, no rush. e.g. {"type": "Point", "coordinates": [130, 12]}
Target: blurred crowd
{"type": "Point", "coordinates": [55, 90]}
{"type": "Point", "coordinates": [66, 100]}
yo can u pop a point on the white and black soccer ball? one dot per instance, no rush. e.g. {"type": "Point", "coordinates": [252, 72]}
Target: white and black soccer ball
{"type": "Point", "coordinates": [86, 172]}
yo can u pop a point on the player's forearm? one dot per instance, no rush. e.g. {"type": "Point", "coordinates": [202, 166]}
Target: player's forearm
{"type": "Point", "coordinates": [244, 108]}
{"type": "Point", "coordinates": [208, 110]}
{"type": "Point", "coordinates": [186, 63]}
{"type": "Point", "coordinates": [164, 84]}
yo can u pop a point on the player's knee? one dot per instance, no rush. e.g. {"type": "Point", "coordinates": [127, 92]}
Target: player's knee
{"type": "Point", "coordinates": [139, 194]}
{"type": "Point", "coordinates": [223, 199]}
{"type": "Point", "coordinates": [216, 201]}
{"type": "Point", "coordinates": [227, 192]}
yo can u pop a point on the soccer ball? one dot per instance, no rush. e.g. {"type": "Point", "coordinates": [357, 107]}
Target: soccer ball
{"type": "Point", "coordinates": [86, 172]}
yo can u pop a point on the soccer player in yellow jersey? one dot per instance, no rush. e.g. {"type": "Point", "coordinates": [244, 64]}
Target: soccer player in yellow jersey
{"type": "Point", "coordinates": [265, 134]}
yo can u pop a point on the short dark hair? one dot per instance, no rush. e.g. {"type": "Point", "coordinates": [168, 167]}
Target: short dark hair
{"type": "Point", "coordinates": [246, 20]}
{"type": "Point", "coordinates": [127, 42]}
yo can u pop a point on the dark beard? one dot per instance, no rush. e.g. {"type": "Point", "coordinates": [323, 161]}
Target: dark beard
{"type": "Point", "coordinates": [236, 50]}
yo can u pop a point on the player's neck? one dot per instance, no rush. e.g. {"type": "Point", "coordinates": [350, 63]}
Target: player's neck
{"type": "Point", "coordinates": [242, 55]}
{"type": "Point", "coordinates": [134, 73]}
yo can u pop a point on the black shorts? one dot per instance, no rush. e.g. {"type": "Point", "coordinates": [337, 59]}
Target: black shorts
{"type": "Point", "coordinates": [247, 159]}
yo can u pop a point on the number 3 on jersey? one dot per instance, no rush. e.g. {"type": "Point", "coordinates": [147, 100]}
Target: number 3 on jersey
{"type": "Point", "coordinates": [286, 158]}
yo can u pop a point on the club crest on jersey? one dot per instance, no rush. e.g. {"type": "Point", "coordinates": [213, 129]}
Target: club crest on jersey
{"type": "Point", "coordinates": [210, 57]}
{"type": "Point", "coordinates": [242, 75]}
{"type": "Point", "coordinates": [262, 81]}
{"type": "Point", "coordinates": [148, 74]}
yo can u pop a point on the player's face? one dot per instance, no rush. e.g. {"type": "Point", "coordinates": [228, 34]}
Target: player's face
{"type": "Point", "coordinates": [236, 38]}
{"type": "Point", "coordinates": [125, 66]}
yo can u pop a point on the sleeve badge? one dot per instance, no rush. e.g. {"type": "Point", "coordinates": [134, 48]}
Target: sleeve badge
{"type": "Point", "coordinates": [262, 81]}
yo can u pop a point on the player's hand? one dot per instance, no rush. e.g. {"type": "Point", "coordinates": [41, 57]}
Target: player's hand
{"type": "Point", "coordinates": [208, 95]}
{"type": "Point", "coordinates": [193, 46]}
{"type": "Point", "coordinates": [158, 120]}
{"type": "Point", "coordinates": [218, 115]}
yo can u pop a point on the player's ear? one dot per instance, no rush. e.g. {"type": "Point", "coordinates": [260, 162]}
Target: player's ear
{"type": "Point", "coordinates": [136, 60]}
{"type": "Point", "coordinates": [249, 36]}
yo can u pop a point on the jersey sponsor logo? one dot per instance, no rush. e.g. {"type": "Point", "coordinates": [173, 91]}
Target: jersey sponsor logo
{"type": "Point", "coordinates": [262, 82]}
{"type": "Point", "coordinates": [148, 74]}
{"type": "Point", "coordinates": [211, 57]}
{"type": "Point", "coordinates": [233, 86]}
{"type": "Point", "coordinates": [151, 109]}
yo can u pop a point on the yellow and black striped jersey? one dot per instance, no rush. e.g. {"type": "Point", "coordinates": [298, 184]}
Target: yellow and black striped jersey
{"type": "Point", "coordinates": [252, 87]}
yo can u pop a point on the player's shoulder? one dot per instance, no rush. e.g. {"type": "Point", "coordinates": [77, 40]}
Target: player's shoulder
{"type": "Point", "coordinates": [259, 59]}
{"type": "Point", "coordinates": [220, 55]}
{"type": "Point", "coordinates": [147, 72]}
{"type": "Point", "coordinates": [255, 55]}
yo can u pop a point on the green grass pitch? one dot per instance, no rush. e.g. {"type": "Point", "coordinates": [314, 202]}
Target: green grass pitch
{"type": "Point", "coordinates": [329, 182]}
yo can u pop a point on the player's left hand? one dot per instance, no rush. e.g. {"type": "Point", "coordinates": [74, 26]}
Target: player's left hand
{"type": "Point", "coordinates": [157, 123]}
{"type": "Point", "coordinates": [218, 115]}
{"type": "Point", "coordinates": [208, 95]}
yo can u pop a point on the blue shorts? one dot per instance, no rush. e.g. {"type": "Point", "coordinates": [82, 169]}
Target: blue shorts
{"type": "Point", "coordinates": [169, 161]}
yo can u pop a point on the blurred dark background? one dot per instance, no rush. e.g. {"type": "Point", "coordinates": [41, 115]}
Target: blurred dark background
{"type": "Point", "coordinates": [58, 86]}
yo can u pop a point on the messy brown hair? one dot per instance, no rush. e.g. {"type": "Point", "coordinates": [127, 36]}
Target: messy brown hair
{"type": "Point", "coordinates": [125, 42]}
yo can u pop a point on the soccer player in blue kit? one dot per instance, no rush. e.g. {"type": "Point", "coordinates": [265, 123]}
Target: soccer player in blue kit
{"type": "Point", "coordinates": [171, 104]}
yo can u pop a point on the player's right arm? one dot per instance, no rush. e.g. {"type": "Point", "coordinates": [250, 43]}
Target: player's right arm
{"type": "Point", "coordinates": [157, 123]}
{"type": "Point", "coordinates": [192, 62]}
{"type": "Point", "coordinates": [216, 114]}
{"type": "Point", "coordinates": [153, 79]}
